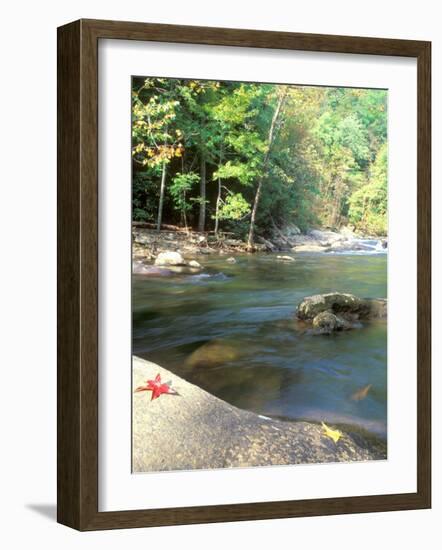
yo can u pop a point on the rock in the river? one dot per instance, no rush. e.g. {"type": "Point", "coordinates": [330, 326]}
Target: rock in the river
{"type": "Point", "coordinates": [169, 258]}
{"type": "Point", "coordinates": [140, 268]}
{"type": "Point", "coordinates": [334, 302]}
{"type": "Point", "coordinates": [231, 260]}
{"type": "Point", "coordinates": [339, 311]}
{"type": "Point", "coordinates": [326, 236]}
{"type": "Point", "coordinates": [348, 246]}
{"type": "Point", "coordinates": [327, 322]}
{"type": "Point", "coordinates": [378, 308]}
{"type": "Point", "coordinates": [194, 264]}
{"type": "Point", "coordinates": [213, 354]}
{"type": "Point", "coordinates": [286, 258]}
{"type": "Point", "coordinates": [306, 247]}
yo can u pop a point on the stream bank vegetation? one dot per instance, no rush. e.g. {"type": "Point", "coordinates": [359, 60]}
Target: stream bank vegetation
{"type": "Point", "coordinates": [249, 160]}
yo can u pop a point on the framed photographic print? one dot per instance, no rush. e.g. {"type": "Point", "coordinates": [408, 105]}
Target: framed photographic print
{"type": "Point", "coordinates": [243, 274]}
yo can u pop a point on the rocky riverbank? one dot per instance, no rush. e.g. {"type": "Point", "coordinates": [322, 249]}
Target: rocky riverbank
{"type": "Point", "coordinates": [187, 428]}
{"type": "Point", "coordinates": [148, 243]}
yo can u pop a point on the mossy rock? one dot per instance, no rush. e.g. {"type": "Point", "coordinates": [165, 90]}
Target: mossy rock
{"type": "Point", "coordinates": [327, 322]}
{"type": "Point", "coordinates": [334, 302]}
{"type": "Point", "coordinates": [346, 306]}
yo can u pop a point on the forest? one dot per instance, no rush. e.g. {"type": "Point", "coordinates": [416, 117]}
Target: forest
{"type": "Point", "coordinates": [251, 158]}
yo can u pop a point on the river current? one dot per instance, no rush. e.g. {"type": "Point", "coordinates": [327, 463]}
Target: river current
{"type": "Point", "coordinates": [273, 366]}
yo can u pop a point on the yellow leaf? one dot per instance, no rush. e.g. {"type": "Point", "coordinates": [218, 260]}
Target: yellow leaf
{"type": "Point", "coordinates": [332, 434]}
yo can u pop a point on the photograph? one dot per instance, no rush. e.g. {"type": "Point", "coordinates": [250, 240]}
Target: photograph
{"type": "Point", "coordinates": [259, 274]}
{"type": "Point", "coordinates": [243, 274]}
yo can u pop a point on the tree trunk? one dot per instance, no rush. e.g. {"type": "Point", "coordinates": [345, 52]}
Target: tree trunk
{"type": "Point", "coordinates": [218, 202]}
{"type": "Point", "coordinates": [218, 196]}
{"type": "Point", "coordinates": [337, 200]}
{"type": "Point", "coordinates": [251, 237]}
{"type": "Point", "coordinates": [184, 213]}
{"type": "Point", "coordinates": [160, 204]}
{"type": "Point", "coordinates": [202, 218]}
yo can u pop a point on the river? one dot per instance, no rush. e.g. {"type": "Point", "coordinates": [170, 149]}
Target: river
{"type": "Point", "coordinates": [279, 369]}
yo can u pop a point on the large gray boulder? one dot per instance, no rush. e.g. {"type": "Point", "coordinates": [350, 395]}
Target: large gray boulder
{"type": "Point", "coordinates": [193, 429]}
{"type": "Point", "coordinates": [169, 258]}
{"type": "Point", "coordinates": [336, 311]}
{"type": "Point", "coordinates": [333, 302]}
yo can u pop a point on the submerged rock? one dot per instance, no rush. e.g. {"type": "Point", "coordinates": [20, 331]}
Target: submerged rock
{"type": "Point", "coordinates": [212, 354]}
{"type": "Point", "coordinates": [310, 247]}
{"type": "Point", "coordinates": [348, 246]}
{"type": "Point", "coordinates": [378, 308]}
{"type": "Point", "coordinates": [208, 277]}
{"type": "Point", "coordinates": [286, 258]}
{"type": "Point", "coordinates": [326, 323]}
{"type": "Point", "coordinates": [140, 268]}
{"type": "Point", "coordinates": [231, 260]}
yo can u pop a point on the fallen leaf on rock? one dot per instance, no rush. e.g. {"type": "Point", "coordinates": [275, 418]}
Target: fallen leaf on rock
{"type": "Point", "coordinates": [157, 387]}
{"type": "Point", "coordinates": [332, 434]}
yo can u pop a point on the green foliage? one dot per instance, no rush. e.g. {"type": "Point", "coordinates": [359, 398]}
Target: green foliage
{"type": "Point", "coordinates": [144, 196]}
{"type": "Point", "coordinates": [327, 164]}
{"type": "Point", "coordinates": [234, 207]}
{"type": "Point", "coordinates": [180, 188]}
{"type": "Point", "coordinates": [241, 171]}
{"type": "Point", "coordinates": [154, 139]}
{"type": "Point", "coordinates": [349, 133]}
{"type": "Point", "coordinates": [368, 204]}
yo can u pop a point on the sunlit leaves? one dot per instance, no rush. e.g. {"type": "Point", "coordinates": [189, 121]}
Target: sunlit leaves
{"type": "Point", "coordinates": [368, 204]}
{"type": "Point", "coordinates": [180, 188]}
{"type": "Point", "coordinates": [244, 172]}
{"type": "Point", "coordinates": [234, 207]}
{"type": "Point", "coordinates": [327, 164]}
{"type": "Point", "coordinates": [152, 118]}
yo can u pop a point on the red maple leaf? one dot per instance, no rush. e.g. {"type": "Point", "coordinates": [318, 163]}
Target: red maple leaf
{"type": "Point", "coordinates": [156, 387]}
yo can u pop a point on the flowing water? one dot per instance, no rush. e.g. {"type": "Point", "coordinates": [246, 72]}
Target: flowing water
{"type": "Point", "coordinates": [272, 366]}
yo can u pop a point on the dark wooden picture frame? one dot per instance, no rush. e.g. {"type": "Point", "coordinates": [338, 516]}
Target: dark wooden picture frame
{"type": "Point", "coordinates": [77, 461]}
